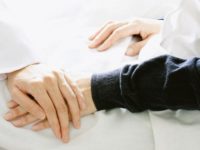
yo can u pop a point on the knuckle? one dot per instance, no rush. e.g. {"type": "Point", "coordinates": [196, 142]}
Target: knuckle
{"type": "Point", "coordinates": [49, 79]}
{"type": "Point", "coordinates": [57, 72]}
{"type": "Point", "coordinates": [36, 83]}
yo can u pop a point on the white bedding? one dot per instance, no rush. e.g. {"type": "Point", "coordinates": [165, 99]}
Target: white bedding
{"type": "Point", "coordinates": [59, 30]}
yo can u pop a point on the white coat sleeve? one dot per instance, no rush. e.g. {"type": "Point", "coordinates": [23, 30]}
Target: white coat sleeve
{"type": "Point", "coordinates": [181, 31]}
{"type": "Point", "coordinates": [15, 52]}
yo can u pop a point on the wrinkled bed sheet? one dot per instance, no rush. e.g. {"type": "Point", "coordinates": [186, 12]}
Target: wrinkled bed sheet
{"type": "Point", "coordinates": [59, 30]}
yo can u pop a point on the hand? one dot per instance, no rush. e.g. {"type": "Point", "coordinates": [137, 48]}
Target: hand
{"type": "Point", "coordinates": [112, 32]}
{"type": "Point", "coordinates": [41, 90]}
{"type": "Point", "coordinates": [24, 118]}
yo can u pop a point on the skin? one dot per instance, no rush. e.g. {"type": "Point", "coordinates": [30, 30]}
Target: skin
{"type": "Point", "coordinates": [112, 32]}
{"type": "Point", "coordinates": [45, 93]}
{"type": "Point", "coordinates": [23, 119]}
{"type": "Point", "coordinates": [25, 111]}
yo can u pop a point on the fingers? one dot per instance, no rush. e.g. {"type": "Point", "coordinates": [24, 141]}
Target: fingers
{"type": "Point", "coordinates": [104, 33]}
{"type": "Point", "coordinates": [28, 104]}
{"type": "Point", "coordinates": [12, 104]}
{"type": "Point", "coordinates": [39, 92]}
{"type": "Point", "coordinates": [24, 120]}
{"type": "Point", "coordinates": [135, 48]}
{"type": "Point", "coordinates": [120, 33]}
{"type": "Point", "coordinates": [93, 36]}
{"type": "Point", "coordinates": [70, 98]}
{"type": "Point", "coordinates": [44, 124]}
{"type": "Point", "coordinates": [14, 113]}
{"type": "Point", "coordinates": [19, 117]}
{"type": "Point", "coordinates": [78, 93]}
{"type": "Point", "coordinates": [60, 106]}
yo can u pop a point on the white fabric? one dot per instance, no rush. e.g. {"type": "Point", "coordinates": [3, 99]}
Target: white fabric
{"type": "Point", "coordinates": [62, 40]}
{"type": "Point", "coordinates": [181, 33]}
{"type": "Point", "coordinates": [14, 45]}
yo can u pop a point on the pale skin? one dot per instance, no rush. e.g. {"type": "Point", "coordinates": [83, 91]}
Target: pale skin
{"type": "Point", "coordinates": [25, 118]}
{"type": "Point", "coordinates": [112, 32]}
{"type": "Point", "coordinates": [76, 95]}
{"type": "Point", "coordinates": [44, 92]}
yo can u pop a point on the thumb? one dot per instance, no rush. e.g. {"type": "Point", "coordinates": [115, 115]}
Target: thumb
{"type": "Point", "coordinates": [134, 48]}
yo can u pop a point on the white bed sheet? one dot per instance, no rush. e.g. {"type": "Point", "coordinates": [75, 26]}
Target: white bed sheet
{"type": "Point", "coordinates": [60, 36]}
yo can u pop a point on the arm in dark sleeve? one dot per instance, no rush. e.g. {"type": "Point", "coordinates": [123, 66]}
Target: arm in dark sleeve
{"type": "Point", "coordinates": [164, 82]}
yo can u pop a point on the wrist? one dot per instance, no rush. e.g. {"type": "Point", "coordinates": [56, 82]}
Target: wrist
{"type": "Point", "coordinates": [85, 86]}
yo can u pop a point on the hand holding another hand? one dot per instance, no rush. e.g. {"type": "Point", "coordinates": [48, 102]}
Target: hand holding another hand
{"type": "Point", "coordinates": [23, 117]}
{"type": "Point", "coordinates": [44, 93]}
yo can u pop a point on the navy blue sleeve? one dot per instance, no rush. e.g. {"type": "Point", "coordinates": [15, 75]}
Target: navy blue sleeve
{"type": "Point", "coordinates": [161, 83]}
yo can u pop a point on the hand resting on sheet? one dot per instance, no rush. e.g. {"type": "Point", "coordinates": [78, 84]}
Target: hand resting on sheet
{"type": "Point", "coordinates": [48, 97]}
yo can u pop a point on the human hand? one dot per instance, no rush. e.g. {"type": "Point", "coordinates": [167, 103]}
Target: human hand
{"type": "Point", "coordinates": [112, 32]}
{"type": "Point", "coordinates": [23, 118]}
{"type": "Point", "coordinates": [46, 92]}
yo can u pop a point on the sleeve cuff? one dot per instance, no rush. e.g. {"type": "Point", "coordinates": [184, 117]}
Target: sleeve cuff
{"type": "Point", "coordinates": [106, 90]}
{"type": "Point", "coordinates": [16, 52]}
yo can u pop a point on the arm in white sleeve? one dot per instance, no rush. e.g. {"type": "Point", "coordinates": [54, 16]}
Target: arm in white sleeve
{"type": "Point", "coordinates": [15, 52]}
{"type": "Point", "coordinates": [181, 32]}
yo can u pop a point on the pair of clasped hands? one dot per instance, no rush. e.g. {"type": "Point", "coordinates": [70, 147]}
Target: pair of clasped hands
{"type": "Point", "coordinates": [48, 98]}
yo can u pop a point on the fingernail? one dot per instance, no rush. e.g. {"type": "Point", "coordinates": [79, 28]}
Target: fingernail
{"type": "Point", "coordinates": [8, 116]}
{"type": "Point", "coordinates": [58, 135]}
{"type": "Point", "coordinates": [16, 122]}
{"type": "Point", "coordinates": [10, 104]}
{"type": "Point", "coordinates": [65, 139]}
{"type": "Point", "coordinates": [101, 48]}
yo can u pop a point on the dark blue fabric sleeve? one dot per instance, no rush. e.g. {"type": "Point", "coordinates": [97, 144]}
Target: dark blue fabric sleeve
{"type": "Point", "coordinates": [164, 82]}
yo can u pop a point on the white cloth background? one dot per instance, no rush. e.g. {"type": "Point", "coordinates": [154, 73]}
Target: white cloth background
{"type": "Point", "coordinates": [59, 29]}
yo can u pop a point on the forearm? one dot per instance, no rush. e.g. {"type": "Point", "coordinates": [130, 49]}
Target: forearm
{"type": "Point", "coordinates": [161, 83]}
{"type": "Point", "coordinates": [16, 52]}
